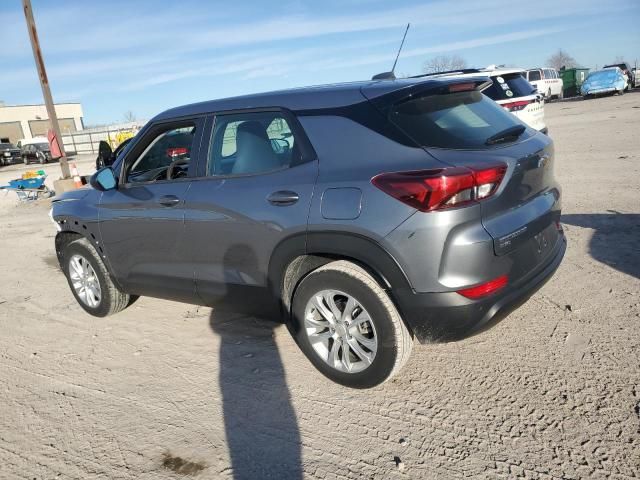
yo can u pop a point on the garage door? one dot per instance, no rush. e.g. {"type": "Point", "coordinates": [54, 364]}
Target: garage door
{"type": "Point", "coordinates": [39, 128]}
{"type": "Point", "coordinates": [11, 132]}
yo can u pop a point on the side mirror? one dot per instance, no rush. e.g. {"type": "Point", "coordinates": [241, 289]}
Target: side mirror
{"type": "Point", "coordinates": [103, 180]}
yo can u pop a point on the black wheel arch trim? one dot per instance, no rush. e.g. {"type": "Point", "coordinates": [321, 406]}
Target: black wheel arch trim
{"type": "Point", "coordinates": [366, 252]}
{"type": "Point", "coordinates": [76, 227]}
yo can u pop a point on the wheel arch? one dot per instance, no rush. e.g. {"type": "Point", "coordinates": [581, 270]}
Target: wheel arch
{"type": "Point", "coordinates": [295, 257]}
{"type": "Point", "coordinates": [72, 229]}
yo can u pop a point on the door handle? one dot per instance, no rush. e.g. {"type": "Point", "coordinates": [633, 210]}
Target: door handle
{"type": "Point", "coordinates": [283, 198]}
{"type": "Point", "coordinates": [169, 200]}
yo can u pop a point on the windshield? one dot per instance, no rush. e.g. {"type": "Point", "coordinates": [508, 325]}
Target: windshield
{"type": "Point", "coordinates": [42, 146]}
{"type": "Point", "coordinates": [464, 120]}
{"type": "Point", "coordinates": [508, 86]}
{"type": "Point", "coordinates": [6, 146]}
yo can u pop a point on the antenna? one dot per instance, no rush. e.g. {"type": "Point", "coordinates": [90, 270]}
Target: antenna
{"type": "Point", "coordinates": [393, 69]}
{"type": "Point", "coordinates": [391, 75]}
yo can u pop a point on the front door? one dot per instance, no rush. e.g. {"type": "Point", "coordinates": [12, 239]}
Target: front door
{"type": "Point", "coordinates": [142, 221]}
{"type": "Point", "coordinates": [255, 191]}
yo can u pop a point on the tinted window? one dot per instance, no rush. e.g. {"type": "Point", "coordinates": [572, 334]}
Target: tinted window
{"type": "Point", "coordinates": [457, 120]}
{"type": "Point", "coordinates": [168, 149]}
{"type": "Point", "coordinates": [509, 86]}
{"type": "Point", "coordinates": [6, 146]}
{"type": "Point", "coordinates": [534, 75]}
{"type": "Point", "coordinates": [251, 143]}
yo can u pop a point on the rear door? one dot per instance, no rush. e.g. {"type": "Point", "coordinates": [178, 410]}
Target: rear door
{"type": "Point", "coordinates": [253, 191]}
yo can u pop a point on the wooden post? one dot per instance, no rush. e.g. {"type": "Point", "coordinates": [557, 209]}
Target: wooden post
{"type": "Point", "coordinates": [44, 83]}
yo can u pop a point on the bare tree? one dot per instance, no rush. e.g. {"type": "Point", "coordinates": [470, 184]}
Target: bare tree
{"type": "Point", "coordinates": [443, 63]}
{"type": "Point", "coordinates": [129, 116]}
{"type": "Point", "coordinates": [561, 59]}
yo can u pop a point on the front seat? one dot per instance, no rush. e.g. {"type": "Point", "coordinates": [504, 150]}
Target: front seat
{"type": "Point", "coordinates": [253, 149]}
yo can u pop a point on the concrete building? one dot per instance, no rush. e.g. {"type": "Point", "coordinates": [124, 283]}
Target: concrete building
{"type": "Point", "coordinates": [28, 121]}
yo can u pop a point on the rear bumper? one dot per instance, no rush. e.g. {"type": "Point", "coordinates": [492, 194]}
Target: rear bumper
{"type": "Point", "coordinates": [443, 317]}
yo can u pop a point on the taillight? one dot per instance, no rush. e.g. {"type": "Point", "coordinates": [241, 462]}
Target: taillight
{"type": "Point", "coordinates": [428, 190]}
{"type": "Point", "coordinates": [485, 289]}
{"type": "Point", "coordinates": [516, 106]}
{"type": "Point", "coordinates": [461, 87]}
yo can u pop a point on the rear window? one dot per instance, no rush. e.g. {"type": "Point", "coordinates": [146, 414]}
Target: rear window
{"type": "Point", "coordinates": [509, 86]}
{"type": "Point", "coordinates": [463, 120]}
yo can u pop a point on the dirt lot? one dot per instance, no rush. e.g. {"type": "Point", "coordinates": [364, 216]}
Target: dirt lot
{"type": "Point", "coordinates": [164, 390]}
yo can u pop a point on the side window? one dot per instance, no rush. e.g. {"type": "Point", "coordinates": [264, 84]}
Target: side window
{"type": "Point", "coordinates": [166, 156]}
{"type": "Point", "coordinates": [252, 143]}
{"type": "Point", "coordinates": [534, 75]}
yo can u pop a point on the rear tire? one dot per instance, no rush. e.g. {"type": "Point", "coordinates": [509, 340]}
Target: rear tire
{"type": "Point", "coordinates": [561, 95]}
{"type": "Point", "coordinates": [100, 296]}
{"type": "Point", "coordinates": [384, 335]}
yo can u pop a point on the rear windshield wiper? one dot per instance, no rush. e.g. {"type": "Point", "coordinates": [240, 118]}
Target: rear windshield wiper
{"type": "Point", "coordinates": [506, 135]}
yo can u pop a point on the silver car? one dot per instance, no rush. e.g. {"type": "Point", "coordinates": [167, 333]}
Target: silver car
{"type": "Point", "coordinates": [365, 215]}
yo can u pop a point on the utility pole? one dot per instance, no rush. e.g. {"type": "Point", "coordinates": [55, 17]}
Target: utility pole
{"type": "Point", "coordinates": [44, 83]}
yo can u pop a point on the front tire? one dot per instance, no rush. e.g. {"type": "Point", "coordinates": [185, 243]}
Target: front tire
{"type": "Point", "coordinates": [25, 160]}
{"type": "Point", "coordinates": [90, 281]}
{"type": "Point", "coordinates": [348, 327]}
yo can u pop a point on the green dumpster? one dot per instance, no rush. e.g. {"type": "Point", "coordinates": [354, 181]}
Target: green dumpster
{"type": "Point", "coordinates": [572, 78]}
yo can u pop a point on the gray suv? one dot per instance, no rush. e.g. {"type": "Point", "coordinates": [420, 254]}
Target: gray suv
{"type": "Point", "coordinates": [366, 215]}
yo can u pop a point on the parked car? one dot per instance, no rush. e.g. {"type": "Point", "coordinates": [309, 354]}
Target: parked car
{"type": "Point", "coordinates": [9, 154]}
{"type": "Point", "coordinates": [396, 210]}
{"type": "Point", "coordinates": [627, 71]}
{"type": "Point", "coordinates": [36, 152]}
{"type": "Point", "coordinates": [608, 80]}
{"type": "Point", "coordinates": [510, 90]}
{"type": "Point", "coordinates": [547, 81]}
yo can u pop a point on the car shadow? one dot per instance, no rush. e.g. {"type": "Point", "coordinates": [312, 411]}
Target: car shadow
{"type": "Point", "coordinates": [615, 238]}
{"type": "Point", "coordinates": [260, 422]}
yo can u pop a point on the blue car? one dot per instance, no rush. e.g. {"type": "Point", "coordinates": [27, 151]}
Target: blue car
{"type": "Point", "coordinates": [608, 80]}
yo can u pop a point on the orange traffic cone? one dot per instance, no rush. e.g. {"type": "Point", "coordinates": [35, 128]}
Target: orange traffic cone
{"type": "Point", "coordinates": [76, 176]}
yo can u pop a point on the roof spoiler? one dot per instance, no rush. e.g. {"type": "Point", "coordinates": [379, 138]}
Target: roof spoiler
{"type": "Point", "coordinates": [431, 87]}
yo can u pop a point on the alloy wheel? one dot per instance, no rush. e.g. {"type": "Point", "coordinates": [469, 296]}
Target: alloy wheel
{"type": "Point", "coordinates": [85, 281]}
{"type": "Point", "coordinates": [340, 331]}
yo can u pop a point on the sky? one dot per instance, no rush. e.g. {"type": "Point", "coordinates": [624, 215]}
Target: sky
{"type": "Point", "coordinates": [145, 56]}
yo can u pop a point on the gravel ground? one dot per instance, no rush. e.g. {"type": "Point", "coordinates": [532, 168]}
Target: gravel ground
{"type": "Point", "coordinates": [165, 390]}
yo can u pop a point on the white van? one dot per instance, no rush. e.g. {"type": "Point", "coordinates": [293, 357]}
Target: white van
{"type": "Point", "coordinates": [547, 81]}
{"type": "Point", "coordinates": [30, 141]}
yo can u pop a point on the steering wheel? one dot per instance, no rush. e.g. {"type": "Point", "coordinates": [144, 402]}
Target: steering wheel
{"type": "Point", "coordinates": [173, 165]}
